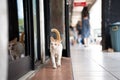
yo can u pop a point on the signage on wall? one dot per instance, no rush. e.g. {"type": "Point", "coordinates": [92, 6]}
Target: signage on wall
{"type": "Point", "coordinates": [78, 4]}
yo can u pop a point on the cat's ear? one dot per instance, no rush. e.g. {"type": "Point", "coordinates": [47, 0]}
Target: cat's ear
{"type": "Point", "coordinates": [52, 39]}
{"type": "Point", "coordinates": [15, 40]}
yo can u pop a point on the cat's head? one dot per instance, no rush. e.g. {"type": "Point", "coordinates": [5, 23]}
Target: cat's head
{"type": "Point", "coordinates": [54, 43]}
{"type": "Point", "coordinates": [12, 44]}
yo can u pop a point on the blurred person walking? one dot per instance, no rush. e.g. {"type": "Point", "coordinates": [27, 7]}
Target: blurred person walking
{"type": "Point", "coordinates": [73, 35]}
{"type": "Point", "coordinates": [85, 29]}
{"type": "Point", "coordinates": [79, 32]}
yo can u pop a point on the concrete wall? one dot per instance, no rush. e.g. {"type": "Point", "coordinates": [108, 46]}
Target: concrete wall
{"type": "Point", "coordinates": [57, 14]}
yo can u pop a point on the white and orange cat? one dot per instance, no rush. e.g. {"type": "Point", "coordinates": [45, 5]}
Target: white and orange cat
{"type": "Point", "coordinates": [56, 49]}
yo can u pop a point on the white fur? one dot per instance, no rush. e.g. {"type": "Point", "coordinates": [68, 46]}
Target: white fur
{"type": "Point", "coordinates": [56, 53]}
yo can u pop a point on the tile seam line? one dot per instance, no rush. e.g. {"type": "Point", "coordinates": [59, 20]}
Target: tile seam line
{"type": "Point", "coordinates": [105, 69]}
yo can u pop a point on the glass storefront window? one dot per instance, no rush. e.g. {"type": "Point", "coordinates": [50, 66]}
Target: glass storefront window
{"type": "Point", "coordinates": [17, 45]}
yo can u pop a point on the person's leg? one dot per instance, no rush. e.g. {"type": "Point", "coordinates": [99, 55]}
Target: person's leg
{"type": "Point", "coordinates": [78, 39]}
{"type": "Point", "coordinates": [85, 42]}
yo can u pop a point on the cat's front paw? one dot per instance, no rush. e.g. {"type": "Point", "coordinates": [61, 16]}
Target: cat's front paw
{"type": "Point", "coordinates": [54, 67]}
{"type": "Point", "coordinates": [58, 64]}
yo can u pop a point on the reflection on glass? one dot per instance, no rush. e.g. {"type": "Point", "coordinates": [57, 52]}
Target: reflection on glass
{"type": "Point", "coordinates": [17, 47]}
{"type": "Point", "coordinates": [35, 29]}
{"type": "Point", "coordinates": [21, 25]}
{"type": "Point", "coordinates": [20, 15]}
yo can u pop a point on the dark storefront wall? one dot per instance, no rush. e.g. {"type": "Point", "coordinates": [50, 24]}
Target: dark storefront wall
{"type": "Point", "coordinates": [113, 11]}
{"type": "Point", "coordinates": [59, 19]}
{"type": "Point", "coordinates": [110, 14]}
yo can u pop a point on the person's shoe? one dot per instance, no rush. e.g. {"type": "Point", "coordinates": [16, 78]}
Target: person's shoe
{"type": "Point", "coordinates": [85, 45]}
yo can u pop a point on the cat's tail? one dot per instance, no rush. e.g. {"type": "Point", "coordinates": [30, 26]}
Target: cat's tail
{"type": "Point", "coordinates": [22, 37]}
{"type": "Point", "coordinates": [57, 34]}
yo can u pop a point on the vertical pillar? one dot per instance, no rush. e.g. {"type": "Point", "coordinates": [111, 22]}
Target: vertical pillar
{"type": "Point", "coordinates": [42, 31]}
{"type": "Point", "coordinates": [103, 24]}
{"type": "Point", "coordinates": [47, 25]}
{"type": "Point", "coordinates": [67, 28]}
{"type": "Point", "coordinates": [3, 39]}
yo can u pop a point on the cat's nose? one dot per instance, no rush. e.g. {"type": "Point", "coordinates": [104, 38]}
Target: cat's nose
{"type": "Point", "coordinates": [52, 47]}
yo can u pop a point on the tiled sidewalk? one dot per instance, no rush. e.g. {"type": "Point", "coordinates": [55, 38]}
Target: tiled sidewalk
{"type": "Point", "coordinates": [91, 63]}
{"type": "Point", "coordinates": [62, 73]}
